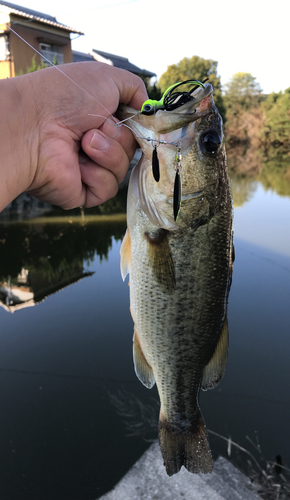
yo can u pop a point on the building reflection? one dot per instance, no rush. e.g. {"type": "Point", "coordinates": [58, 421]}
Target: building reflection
{"type": "Point", "coordinates": [32, 287]}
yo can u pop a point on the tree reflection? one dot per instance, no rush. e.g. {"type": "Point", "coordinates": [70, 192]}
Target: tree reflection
{"type": "Point", "coordinates": [38, 259]}
{"type": "Point", "coordinates": [276, 175]}
{"type": "Point", "coordinates": [55, 249]}
{"type": "Point", "coordinates": [248, 166]}
{"type": "Point", "coordinates": [243, 189]}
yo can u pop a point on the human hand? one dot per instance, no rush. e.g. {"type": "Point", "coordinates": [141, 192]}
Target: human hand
{"type": "Point", "coordinates": [55, 122]}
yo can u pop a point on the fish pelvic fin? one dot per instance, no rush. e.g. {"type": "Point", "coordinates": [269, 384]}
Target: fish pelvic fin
{"type": "Point", "coordinates": [160, 258]}
{"type": "Point", "coordinates": [143, 370]}
{"type": "Point", "coordinates": [185, 446]}
{"type": "Point", "coordinates": [214, 370]}
{"type": "Point", "coordinates": [125, 253]}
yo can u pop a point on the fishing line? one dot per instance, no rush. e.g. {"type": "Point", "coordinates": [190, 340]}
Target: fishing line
{"type": "Point", "coordinates": [129, 117]}
{"type": "Point", "coordinates": [151, 139]}
{"type": "Point", "coordinates": [64, 74]}
{"type": "Point", "coordinates": [107, 118]}
{"type": "Point", "coordinates": [118, 123]}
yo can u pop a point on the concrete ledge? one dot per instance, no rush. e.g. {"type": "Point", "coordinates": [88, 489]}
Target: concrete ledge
{"type": "Point", "coordinates": [147, 480]}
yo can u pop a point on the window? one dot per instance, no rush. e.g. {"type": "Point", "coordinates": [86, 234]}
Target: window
{"type": "Point", "coordinates": [52, 52]}
{"type": "Point", "coordinates": [4, 48]}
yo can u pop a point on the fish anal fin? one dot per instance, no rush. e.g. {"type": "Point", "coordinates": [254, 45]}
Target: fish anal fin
{"type": "Point", "coordinates": [125, 253]}
{"type": "Point", "coordinates": [214, 370]}
{"type": "Point", "coordinates": [160, 258]}
{"type": "Point", "coordinates": [185, 446]}
{"type": "Point", "coordinates": [143, 370]}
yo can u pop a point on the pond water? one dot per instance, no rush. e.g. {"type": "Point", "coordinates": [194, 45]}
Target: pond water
{"type": "Point", "coordinates": [73, 416]}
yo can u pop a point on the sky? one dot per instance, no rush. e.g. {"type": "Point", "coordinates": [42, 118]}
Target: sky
{"type": "Point", "coordinates": [249, 36]}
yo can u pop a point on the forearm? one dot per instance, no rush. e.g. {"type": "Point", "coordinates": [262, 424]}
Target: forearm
{"type": "Point", "coordinates": [18, 137]}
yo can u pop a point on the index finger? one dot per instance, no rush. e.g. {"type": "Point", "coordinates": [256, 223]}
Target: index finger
{"type": "Point", "coordinates": [132, 90]}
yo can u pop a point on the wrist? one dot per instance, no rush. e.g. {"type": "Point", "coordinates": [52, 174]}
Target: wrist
{"type": "Point", "coordinates": [18, 138]}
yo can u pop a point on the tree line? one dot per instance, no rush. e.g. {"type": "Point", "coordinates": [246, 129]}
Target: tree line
{"type": "Point", "coordinates": [250, 117]}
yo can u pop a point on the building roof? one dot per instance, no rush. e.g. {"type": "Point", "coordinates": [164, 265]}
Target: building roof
{"type": "Point", "coordinates": [123, 63]}
{"type": "Point", "coordinates": [12, 8]}
{"type": "Point", "coordinates": [82, 56]}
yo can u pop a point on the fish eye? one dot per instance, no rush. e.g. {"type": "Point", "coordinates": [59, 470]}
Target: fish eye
{"type": "Point", "coordinates": [210, 142]}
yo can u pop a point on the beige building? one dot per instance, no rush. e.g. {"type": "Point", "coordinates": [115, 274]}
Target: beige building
{"type": "Point", "coordinates": [41, 31]}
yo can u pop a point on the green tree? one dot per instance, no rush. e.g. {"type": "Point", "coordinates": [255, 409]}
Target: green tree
{"type": "Point", "coordinates": [277, 118]}
{"type": "Point", "coordinates": [194, 68]}
{"type": "Point", "coordinates": [35, 67]}
{"type": "Point", "coordinates": [242, 93]}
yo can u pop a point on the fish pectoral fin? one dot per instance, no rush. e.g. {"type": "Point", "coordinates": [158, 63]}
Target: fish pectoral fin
{"type": "Point", "coordinates": [143, 370]}
{"type": "Point", "coordinates": [214, 370]}
{"type": "Point", "coordinates": [160, 259]}
{"type": "Point", "coordinates": [125, 253]}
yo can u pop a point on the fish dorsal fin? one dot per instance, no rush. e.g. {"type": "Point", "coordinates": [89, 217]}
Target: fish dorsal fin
{"type": "Point", "coordinates": [214, 370]}
{"type": "Point", "coordinates": [143, 371]}
{"type": "Point", "coordinates": [160, 259]}
{"type": "Point", "coordinates": [125, 253]}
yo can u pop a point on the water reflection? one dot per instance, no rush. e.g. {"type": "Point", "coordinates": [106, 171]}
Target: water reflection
{"type": "Point", "coordinates": [248, 168]}
{"type": "Point", "coordinates": [139, 419]}
{"type": "Point", "coordinates": [276, 175]}
{"type": "Point", "coordinates": [31, 287]}
{"type": "Point", "coordinates": [41, 258]}
{"type": "Point", "coordinates": [243, 189]}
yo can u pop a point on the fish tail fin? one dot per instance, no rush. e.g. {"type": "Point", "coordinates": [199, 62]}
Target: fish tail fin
{"type": "Point", "coordinates": [188, 447]}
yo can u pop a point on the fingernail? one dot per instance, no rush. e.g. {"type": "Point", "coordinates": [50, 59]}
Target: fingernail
{"type": "Point", "coordinates": [99, 142]}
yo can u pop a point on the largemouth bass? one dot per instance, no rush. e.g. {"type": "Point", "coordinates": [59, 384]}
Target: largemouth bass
{"type": "Point", "coordinates": [180, 269]}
